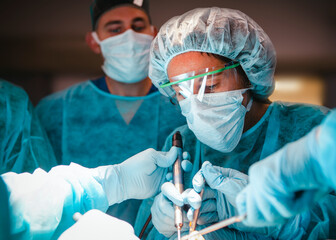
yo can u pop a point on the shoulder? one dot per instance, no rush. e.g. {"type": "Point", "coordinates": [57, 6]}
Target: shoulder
{"type": "Point", "coordinates": [58, 98]}
{"type": "Point", "coordinates": [295, 120]}
{"type": "Point", "coordinates": [300, 111]}
{"type": "Point", "coordinates": [8, 91]}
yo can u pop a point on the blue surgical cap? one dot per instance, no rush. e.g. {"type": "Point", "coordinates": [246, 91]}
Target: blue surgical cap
{"type": "Point", "coordinates": [226, 32]}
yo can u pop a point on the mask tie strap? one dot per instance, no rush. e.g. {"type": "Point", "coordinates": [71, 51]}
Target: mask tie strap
{"type": "Point", "coordinates": [249, 105]}
{"type": "Point", "coordinates": [95, 37]}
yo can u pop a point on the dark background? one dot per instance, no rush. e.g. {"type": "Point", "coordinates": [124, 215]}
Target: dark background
{"type": "Point", "coordinates": [43, 48]}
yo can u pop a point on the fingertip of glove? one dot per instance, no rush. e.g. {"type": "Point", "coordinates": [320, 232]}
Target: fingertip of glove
{"type": "Point", "coordinates": [186, 156]}
{"type": "Point", "coordinates": [198, 182]}
{"type": "Point", "coordinates": [186, 165]}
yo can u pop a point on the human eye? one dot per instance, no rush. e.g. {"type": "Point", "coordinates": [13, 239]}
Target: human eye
{"type": "Point", "coordinates": [114, 29]}
{"type": "Point", "coordinates": [139, 25]}
{"type": "Point", "coordinates": [211, 88]}
{"type": "Point", "coordinates": [138, 28]}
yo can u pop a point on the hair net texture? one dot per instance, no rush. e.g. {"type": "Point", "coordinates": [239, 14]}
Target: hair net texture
{"type": "Point", "coordinates": [226, 32]}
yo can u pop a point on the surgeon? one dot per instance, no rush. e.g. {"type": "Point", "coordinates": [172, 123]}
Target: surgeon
{"type": "Point", "coordinates": [41, 205]}
{"type": "Point", "coordinates": [218, 65]}
{"type": "Point", "coordinates": [107, 120]}
{"type": "Point", "coordinates": [24, 145]}
{"type": "Point", "coordinates": [292, 179]}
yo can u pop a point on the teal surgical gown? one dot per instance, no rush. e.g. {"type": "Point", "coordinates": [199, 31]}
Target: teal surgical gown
{"type": "Point", "coordinates": [4, 212]}
{"type": "Point", "coordinates": [92, 128]}
{"type": "Point", "coordinates": [24, 145]}
{"type": "Point", "coordinates": [282, 123]}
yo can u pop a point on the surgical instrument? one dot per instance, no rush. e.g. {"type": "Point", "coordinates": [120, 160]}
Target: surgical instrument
{"type": "Point", "coordinates": [178, 181]}
{"type": "Point", "coordinates": [193, 223]}
{"type": "Point", "coordinates": [215, 226]}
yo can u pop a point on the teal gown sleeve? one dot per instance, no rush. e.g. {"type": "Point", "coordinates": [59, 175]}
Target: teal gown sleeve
{"type": "Point", "coordinates": [24, 143]}
{"type": "Point", "coordinates": [42, 204]}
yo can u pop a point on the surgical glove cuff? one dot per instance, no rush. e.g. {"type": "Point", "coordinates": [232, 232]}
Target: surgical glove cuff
{"type": "Point", "coordinates": [109, 177]}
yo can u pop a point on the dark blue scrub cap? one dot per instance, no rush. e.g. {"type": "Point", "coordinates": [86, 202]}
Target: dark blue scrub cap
{"type": "Point", "coordinates": [98, 7]}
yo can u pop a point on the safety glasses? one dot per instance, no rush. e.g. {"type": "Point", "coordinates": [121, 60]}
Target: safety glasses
{"type": "Point", "coordinates": [200, 82]}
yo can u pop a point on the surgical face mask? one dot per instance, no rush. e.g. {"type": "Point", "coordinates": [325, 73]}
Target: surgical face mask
{"type": "Point", "coordinates": [218, 120]}
{"type": "Point", "coordinates": [126, 56]}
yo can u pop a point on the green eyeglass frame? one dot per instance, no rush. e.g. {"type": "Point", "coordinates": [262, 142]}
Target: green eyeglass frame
{"type": "Point", "coordinates": [200, 75]}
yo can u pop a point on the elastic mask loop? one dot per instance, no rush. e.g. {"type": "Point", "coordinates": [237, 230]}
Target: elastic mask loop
{"type": "Point", "coordinates": [249, 105]}
{"type": "Point", "coordinates": [95, 37]}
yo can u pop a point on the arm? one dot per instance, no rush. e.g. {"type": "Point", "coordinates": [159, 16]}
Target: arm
{"type": "Point", "coordinates": [42, 204]}
{"type": "Point", "coordinates": [293, 178]}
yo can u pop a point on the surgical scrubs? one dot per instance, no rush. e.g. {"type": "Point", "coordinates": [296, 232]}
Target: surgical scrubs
{"type": "Point", "coordinates": [24, 145]}
{"type": "Point", "coordinates": [282, 123]}
{"type": "Point", "coordinates": [4, 212]}
{"type": "Point", "coordinates": [89, 126]}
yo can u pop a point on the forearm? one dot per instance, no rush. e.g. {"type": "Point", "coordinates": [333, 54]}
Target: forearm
{"type": "Point", "coordinates": [42, 203]}
{"type": "Point", "coordinates": [326, 149]}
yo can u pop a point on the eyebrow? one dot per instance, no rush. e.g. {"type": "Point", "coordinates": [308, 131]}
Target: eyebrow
{"type": "Point", "coordinates": [138, 19]}
{"type": "Point", "coordinates": [113, 22]}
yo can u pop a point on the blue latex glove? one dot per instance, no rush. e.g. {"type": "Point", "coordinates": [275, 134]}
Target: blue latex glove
{"type": "Point", "coordinates": [292, 179]}
{"type": "Point", "coordinates": [163, 211]}
{"type": "Point", "coordinates": [163, 214]}
{"type": "Point", "coordinates": [215, 205]}
{"type": "Point", "coordinates": [139, 177]}
{"type": "Point", "coordinates": [185, 164]}
{"type": "Point", "coordinates": [162, 208]}
{"type": "Point", "coordinates": [227, 183]}
{"type": "Point", "coordinates": [42, 204]}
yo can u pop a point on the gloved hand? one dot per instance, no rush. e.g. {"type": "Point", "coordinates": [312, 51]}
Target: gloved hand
{"type": "Point", "coordinates": [97, 225]}
{"type": "Point", "coordinates": [185, 164]}
{"type": "Point", "coordinates": [42, 204]}
{"type": "Point", "coordinates": [163, 214]}
{"type": "Point", "coordinates": [227, 183]}
{"type": "Point", "coordinates": [290, 180]}
{"type": "Point", "coordinates": [162, 209]}
{"type": "Point", "coordinates": [139, 177]}
{"type": "Point", "coordinates": [218, 202]}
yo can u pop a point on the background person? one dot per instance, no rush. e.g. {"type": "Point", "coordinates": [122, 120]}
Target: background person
{"type": "Point", "coordinates": [107, 120]}
{"type": "Point", "coordinates": [24, 143]}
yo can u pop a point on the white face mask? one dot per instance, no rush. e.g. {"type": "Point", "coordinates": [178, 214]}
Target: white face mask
{"type": "Point", "coordinates": [126, 56]}
{"type": "Point", "coordinates": [218, 120]}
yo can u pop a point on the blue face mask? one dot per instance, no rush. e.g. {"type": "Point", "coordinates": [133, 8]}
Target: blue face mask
{"type": "Point", "coordinates": [126, 56]}
{"type": "Point", "coordinates": [218, 120]}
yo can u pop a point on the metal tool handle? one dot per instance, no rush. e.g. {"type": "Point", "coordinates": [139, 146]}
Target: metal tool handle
{"type": "Point", "coordinates": [193, 223]}
{"type": "Point", "coordinates": [178, 181]}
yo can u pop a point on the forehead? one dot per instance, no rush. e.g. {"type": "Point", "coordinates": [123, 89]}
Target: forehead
{"type": "Point", "coordinates": [122, 14]}
{"type": "Point", "coordinates": [191, 61]}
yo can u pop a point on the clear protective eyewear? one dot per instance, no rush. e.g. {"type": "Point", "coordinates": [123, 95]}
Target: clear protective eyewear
{"type": "Point", "coordinates": [200, 82]}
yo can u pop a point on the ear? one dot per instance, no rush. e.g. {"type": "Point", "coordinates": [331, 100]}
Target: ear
{"type": "Point", "coordinates": [92, 43]}
{"type": "Point", "coordinates": [155, 31]}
